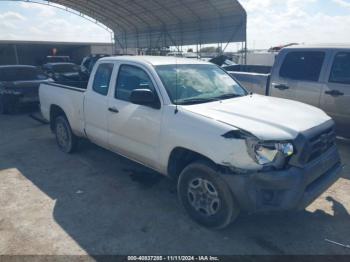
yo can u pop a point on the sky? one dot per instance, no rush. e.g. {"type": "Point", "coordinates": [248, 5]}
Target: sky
{"type": "Point", "coordinates": [270, 23]}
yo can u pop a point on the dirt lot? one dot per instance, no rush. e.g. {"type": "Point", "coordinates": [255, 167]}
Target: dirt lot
{"type": "Point", "coordinates": [93, 202]}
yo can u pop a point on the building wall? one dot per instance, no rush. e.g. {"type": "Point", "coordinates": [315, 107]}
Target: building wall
{"type": "Point", "coordinates": [266, 59]}
{"type": "Point", "coordinates": [77, 54]}
{"type": "Point", "coordinates": [7, 55]}
{"type": "Point", "coordinates": [35, 53]}
{"type": "Point", "coordinates": [107, 49]}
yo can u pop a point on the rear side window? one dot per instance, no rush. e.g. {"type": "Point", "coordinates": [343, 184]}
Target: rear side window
{"type": "Point", "coordinates": [129, 79]}
{"type": "Point", "coordinates": [341, 69]}
{"type": "Point", "coordinates": [102, 78]}
{"type": "Point", "coordinates": [305, 66]}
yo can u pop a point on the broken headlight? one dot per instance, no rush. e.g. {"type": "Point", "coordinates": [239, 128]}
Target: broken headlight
{"type": "Point", "coordinates": [270, 153]}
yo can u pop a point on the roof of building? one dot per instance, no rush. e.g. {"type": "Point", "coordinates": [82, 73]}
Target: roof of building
{"type": "Point", "coordinates": [160, 23]}
{"type": "Point", "coordinates": [28, 42]}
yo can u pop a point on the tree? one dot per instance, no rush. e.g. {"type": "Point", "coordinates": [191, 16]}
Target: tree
{"type": "Point", "coordinates": [209, 49]}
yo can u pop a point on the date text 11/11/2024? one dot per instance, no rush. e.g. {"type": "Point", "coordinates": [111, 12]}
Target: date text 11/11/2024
{"type": "Point", "coordinates": [173, 258]}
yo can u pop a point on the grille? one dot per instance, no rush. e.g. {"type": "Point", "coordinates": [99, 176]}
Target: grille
{"type": "Point", "coordinates": [320, 143]}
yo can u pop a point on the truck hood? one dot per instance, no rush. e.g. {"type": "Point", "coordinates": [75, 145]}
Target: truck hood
{"type": "Point", "coordinates": [268, 118]}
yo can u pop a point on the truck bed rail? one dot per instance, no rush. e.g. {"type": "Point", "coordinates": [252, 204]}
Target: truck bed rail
{"type": "Point", "coordinates": [254, 82]}
{"type": "Point", "coordinates": [82, 90]}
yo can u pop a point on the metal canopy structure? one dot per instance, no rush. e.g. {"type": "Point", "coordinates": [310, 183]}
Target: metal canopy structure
{"type": "Point", "coordinates": [161, 23]}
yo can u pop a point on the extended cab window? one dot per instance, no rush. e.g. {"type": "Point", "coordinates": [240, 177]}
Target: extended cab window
{"type": "Point", "coordinates": [341, 69]}
{"type": "Point", "coordinates": [304, 66]}
{"type": "Point", "coordinates": [129, 79]}
{"type": "Point", "coordinates": [102, 78]}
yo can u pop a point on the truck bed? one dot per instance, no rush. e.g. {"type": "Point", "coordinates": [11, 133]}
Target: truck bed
{"type": "Point", "coordinates": [68, 98]}
{"type": "Point", "coordinates": [254, 82]}
{"type": "Point", "coordinates": [260, 69]}
{"type": "Point", "coordinates": [75, 84]}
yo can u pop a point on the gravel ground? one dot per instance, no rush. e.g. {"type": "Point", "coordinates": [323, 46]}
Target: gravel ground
{"type": "Point", "coordinates": [94, 202]}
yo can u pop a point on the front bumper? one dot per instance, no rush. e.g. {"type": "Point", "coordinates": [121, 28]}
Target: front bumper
{"type": "Point", "coordinates": [291, 189]}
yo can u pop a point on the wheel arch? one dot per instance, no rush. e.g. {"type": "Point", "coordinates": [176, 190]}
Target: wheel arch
{"type": "Point", "coordinates": [181, 157]}
{"type": "Point", "coordinates": [55, 111]}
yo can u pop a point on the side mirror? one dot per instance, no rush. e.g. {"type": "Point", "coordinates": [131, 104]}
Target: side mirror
{"type": "Point", "coordinates": [144, 97]}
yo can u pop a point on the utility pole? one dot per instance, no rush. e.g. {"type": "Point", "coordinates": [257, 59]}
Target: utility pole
{"type": "Point", "coordinates": [16, 54]}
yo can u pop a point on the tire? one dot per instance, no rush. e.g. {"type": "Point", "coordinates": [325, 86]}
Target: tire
{"type": "Point", "coordinates": [206, 197]}
{"type": "Point", "coordinates": [66, 140]}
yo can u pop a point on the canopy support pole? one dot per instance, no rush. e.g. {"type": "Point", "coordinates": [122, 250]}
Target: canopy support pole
{"type": "Point", "coordinates": [16, 54]}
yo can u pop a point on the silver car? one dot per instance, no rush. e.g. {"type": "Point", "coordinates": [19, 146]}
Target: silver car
{"type": "Point", "coordinates": [317, 75]}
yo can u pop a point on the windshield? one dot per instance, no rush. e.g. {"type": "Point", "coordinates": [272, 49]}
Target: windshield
{"type": "Point", "coordinates": [198, 83]}
{"type": "Point", "coordinates": [10, 74]}
{"type": "Point", "coordinates": [65, 68]}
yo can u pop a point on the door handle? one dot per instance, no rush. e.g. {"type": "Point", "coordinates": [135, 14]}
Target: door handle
{"type": "Point", "coordinates": [113, 110]}
{"type": "Point", "coordinates": [334, 93]}
{"type": "Point", "coordinates": [280, 86]}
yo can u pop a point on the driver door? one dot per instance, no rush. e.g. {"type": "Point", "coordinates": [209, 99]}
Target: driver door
{"type": "Point", "coordinates": [134, 130]}
{"type": "Point", "coordinates": [298, 77]}
{"type": "Point", "coordinates": [336, 94]}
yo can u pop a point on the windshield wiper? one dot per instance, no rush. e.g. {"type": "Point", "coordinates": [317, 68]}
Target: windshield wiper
{"type": "Point", "coordinates": [193, 101]}
{"type": "Point", "coordinates": [227, 96]}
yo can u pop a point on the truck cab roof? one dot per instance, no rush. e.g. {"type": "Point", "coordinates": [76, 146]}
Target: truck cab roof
{"type": "Point", "coordinates": [156, 60]}
{"type": "Point", "coordinates": [320, 46]}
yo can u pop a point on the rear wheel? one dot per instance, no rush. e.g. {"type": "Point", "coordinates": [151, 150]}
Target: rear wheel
{"type": "Point", "coordinates": [65, 138]}
{"type": "Point", "coordinates": [206, 197]}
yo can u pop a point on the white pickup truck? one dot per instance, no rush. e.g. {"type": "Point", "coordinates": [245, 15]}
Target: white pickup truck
{"type": "Point", "coordinates": [228, 150]}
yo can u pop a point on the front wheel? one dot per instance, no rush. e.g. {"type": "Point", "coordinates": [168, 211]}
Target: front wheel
{"type": "Point", "coordinates": [65, 138]}
{"type": "Point", "coordinates": [206, 197]}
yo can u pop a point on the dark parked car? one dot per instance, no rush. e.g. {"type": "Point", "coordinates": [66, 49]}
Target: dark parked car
{"type": "Point", "coordinates": [58, 59]}
{"type": "Point", "coordinates": [19, 85]}
{"type": "Point", "coordinates": [222, 60]}
{"type": "Point", "coordinates": [66, 74]}
{"type": "Point", "coordinates": [89, 62]}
